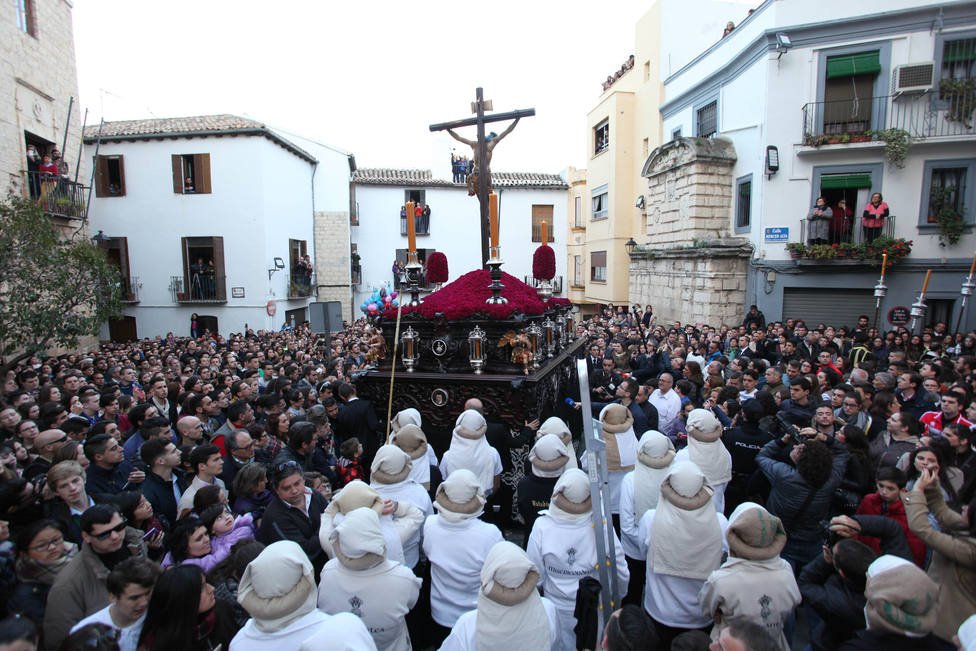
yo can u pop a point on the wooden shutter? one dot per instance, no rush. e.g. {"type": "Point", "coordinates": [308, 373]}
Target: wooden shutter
{"type": "Point", "coordinates": [178, 187]}
{"type": "Point", "coordinates": [121, 174]}
{"type": "Point", "coordinates": [185, 242]}
{"type": "Point", "coordinates": [201, 173]}
{"type": "Point", "coordinates": [124, 258]}
{"type": "Point", "coordinates": [220, 275]}
{"type": "Point", "coordinates": [101, 176]}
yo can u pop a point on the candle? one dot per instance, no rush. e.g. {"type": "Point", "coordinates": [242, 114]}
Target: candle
{"type": "Point", "coordinates": [972, 267]}
{"type": "Point", "coordinates": [411, 228]}
{"type": "Point", "coordinates": [477, 348]}
{"type": "Point", "coordinates": [925, 285]}
{"type": "Point", "coordinates": [493, 218]}
{"type": "Point", "coordinates": [884, 263]}
{"type": "Point", "coordinates": [545, 233]}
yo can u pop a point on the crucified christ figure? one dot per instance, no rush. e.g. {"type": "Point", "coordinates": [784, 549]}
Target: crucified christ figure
{"type": "Point", "coordinates": [491, 140]}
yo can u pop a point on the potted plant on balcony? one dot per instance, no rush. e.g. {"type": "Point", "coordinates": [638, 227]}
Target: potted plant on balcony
{"type": "Point", "coordinates": [895, 248]}
{"type": "Point", "coordinates": [796, 249]}
{"type": "Point", "coordinates": [950, 221]}
{"type": "Point", "coordinates": [822, 252]}
{"type": "Point", "coordinates": [843, 249]}
{"type": "Point", "coordinates": [897, 142]}
{"type": "Point", "coordinates": [961, 96]}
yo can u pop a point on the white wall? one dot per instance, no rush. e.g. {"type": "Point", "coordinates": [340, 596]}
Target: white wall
{"type": "Point", "coordinates": [261, 197]}
{"type": "Point", "coordinates": [454, 230]}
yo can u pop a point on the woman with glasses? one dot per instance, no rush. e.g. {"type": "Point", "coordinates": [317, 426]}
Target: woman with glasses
{"type": "Point", "coordinates": [42, 552]}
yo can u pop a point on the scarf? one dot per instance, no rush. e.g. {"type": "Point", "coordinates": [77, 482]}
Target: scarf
{"type": "Point", "coordinates": [686, 538]}
{"type": "Point", "coordinates": [510, 610]}
{"type": "Point", "coordinates": [655, 454]}
{"type": "Point", "coordinates": [30, 571]}
{"type": "Point", "coordinates": [278, 587]}
{"type": "Point", "coordinates": [470, 450]}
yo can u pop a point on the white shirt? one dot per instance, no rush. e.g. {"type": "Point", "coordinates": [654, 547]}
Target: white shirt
{"type": "Point", "coordinates": [413, 493]}
{"type": "Point", "coordinates": [128, 636]}
{"type": "Point", "coordinates": [463, 636]}
{"type": "Point", "coordinates": [186, 501]}
{"type": "Point", "coordinates": [381, 596]}
{"type": "Point", "coordinates": [668, 407]}
{"type": "Point", "coordinates": [346, 632]}
{"type": "Point", "coordinates": [457, 552]}
{"type": "Point", "coordinates": [673, 600]}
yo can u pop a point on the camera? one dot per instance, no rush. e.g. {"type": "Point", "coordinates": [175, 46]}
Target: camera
{"type": "Point", "coordinates": [831, 538]}
{"type": "Point", "coordinates": [789, 429]}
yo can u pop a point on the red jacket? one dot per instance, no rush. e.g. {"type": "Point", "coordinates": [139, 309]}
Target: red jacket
{"type": "Point", "coordinates": [874, 216]}
{"type": "Point", "coordinates": [872, 504]}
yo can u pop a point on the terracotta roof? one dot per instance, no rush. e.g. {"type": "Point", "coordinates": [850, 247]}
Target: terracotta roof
{"type": "Point", "coordinates": [188, 127]}
{"type": "Point", "coordinates": [424, 178]}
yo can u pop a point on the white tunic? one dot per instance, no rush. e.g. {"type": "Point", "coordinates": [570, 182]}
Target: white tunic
{"type": "Point", "coordinates": [673, 600]}
{"type": "Point", "coordinates": [412, 492]}
{"type": "Point", "coordinates": [565, 552]}
{"type": "Point", "coordinates": [381, 596]}
{"type": "Point", "coordinates": [345, 632]}
{"type": "Point", "coordinates": [463, 636]}
{"type": "Point", "coordinates": [457, 551]}
{"type": "Point", "coordinates": [629, 533]}
{"type": "Point", "coordinates": [718, 496]}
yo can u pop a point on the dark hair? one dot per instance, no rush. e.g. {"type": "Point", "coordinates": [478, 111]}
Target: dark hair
{"type": "Point", "coordinates": [285, 470]}
{"type": "Point", "coordinates": [247, 478]}
{"type": "Point", "coordinates": [96, 445]}
{"type": "Point", "coordinates": [179, 537]}
{"type": "Point", "coordinates": [172, 616]}
{"type": "Point", "coordinates": [98, 514]}
{"type": "Point", "coordinates": [127, 501]}
{"type": "Point", "coordinates": [961, 431]}
{"type": "Point", "coordinates": [152, 449]}
{"type": "Point", "coordinates": [67, 452]}
{"type": "Point", "coordinates": [753, 636]}
{"type": "Point", "coordinates": [631, 630]}
{"type": "Point", "coordinates": [237, 409]}
{"type": "Point", "coordinates": [206, 497]}
{"type": "Point", "coordinates": [892, 474]}
{"type": "Point", "coordinates": [27, 534]}
{"type": "Point", "coordinates": [137, 414]}
{"type": "Point", "coordinates": [301, 433]}
{"type": "Point", "coordinates": [802, 382]}
{"type": "Point", "coordinates": [201, 454]}
{"type": "Point", "coordinates": [814, 464]}
{"type": "Point", "coordinates": [346, 391]}
{"type": "Point", "coordinates": [349, 447]}
{"type": "Point", "coordinates": [853, 557]}
{"type": "Point", "coordinates": [137, 570]}
{"type": "Point", "coordinates": [210, 514]}
{"type": "Point", "coordinates": [16, 628]}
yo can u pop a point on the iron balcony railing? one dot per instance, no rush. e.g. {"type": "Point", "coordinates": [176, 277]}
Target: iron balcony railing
{"type": "Point", "coordinates": [198, 288]}
{"type": "Point", "coordinates": [847, 230]}
{"type": "Point", "coordinates": [130, 289]}
{"type": "Point", "coordinates": [421, 225]}
{"type": "Point", "coordinates": [926, 115]}
{"type": "Point", "coordinates": [57, 195]}
{"type": "Point", "coordinates": [301, 285]}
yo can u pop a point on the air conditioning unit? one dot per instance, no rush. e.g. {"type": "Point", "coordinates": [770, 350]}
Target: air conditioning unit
{"type": "Point", "coordinates": [913, 78]}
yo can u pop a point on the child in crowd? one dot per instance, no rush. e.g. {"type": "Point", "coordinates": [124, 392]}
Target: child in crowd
{"type": "Point", "coordinates": [349, 466]}
{"type": "Point", "coordinates": [225, 529]}
{"type": "Point", "coordinates": [320, 483]}
{"type": "Point", "coordinates": [887, 502]}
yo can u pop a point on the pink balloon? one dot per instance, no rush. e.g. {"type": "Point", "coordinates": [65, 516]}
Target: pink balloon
{"type": "Point", "coordinates": [393, 294]}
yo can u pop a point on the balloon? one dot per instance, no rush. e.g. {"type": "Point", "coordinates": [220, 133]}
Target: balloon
{"type": "Point", "coordinates": [393, 294]}
{"type": "Point", "coordinates": [372, 308]}
{"type": "Point", "coordinates": [387, 300]}
{"type": "Point", "coordinates": [395, 304]}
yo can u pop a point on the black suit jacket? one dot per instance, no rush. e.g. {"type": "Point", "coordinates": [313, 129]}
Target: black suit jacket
{"type": "Point", "coordinates": [358, 418]}
{"type": "Point", "coordinates": [283, 522]}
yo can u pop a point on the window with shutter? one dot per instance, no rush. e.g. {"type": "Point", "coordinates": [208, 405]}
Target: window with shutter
{"type": "Point", "coordinates": [542, 214]}
{"type": "Point", "coordinates": [598, 266]}
{"type": "Point", "coordinates": [109, 176]}
{"type": "Point", "coordinates": [191, 173]}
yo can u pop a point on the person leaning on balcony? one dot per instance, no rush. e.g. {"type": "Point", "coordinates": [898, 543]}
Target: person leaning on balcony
{"type": "Point", "coordinates": [841, 224]}
{"type": "Point", "coordinates": [873, 218]}
{"type": "Point", "coordinates": [818, 222]}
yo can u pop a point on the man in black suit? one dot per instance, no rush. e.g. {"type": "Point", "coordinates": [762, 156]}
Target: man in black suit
{"type": "Point", "coordinates": [294, 514]}
{"type": "Point", "coordinates": [358, 418]}
{"type": "Point", "coordinates": [594, 360]}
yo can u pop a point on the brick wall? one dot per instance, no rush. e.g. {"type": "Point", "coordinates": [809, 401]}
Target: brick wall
{"type": "Point", "coordinates": [332, 263]}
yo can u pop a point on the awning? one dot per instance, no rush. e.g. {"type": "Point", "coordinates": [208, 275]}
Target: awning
{"type": "Point", "coordinates": [956, 51]}
{"type": "Point", "coordinates": [845, 181]}
{"type": "Point", "coordinates": [849, 65]}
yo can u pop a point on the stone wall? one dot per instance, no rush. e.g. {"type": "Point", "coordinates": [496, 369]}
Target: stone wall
{"type": "Point", "coordinates": [706, 285]}
{"type": "Point", "coordinates": [690, 189]}
{"type": "Point", "coordinates": [332, 260]}
{"type": "Point", "coordinates": [691, 270]}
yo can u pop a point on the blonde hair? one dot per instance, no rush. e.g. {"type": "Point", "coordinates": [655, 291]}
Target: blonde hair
{"type": "Point", "coordinates": [64, 470]}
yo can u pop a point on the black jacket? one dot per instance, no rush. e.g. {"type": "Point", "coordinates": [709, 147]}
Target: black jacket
{"type": "Point", "coordinates": [160, 495]}
{"type": "Point", "coordinates": [534, 493]}
{"type": "Point", "coordinates": [874, 640]}
{"type": "Point", "coordinates": [358, 418]}
{"type": "Point", "coordinates": [283, 522]}
{"type": "Point", "coordinates": [116, 480]}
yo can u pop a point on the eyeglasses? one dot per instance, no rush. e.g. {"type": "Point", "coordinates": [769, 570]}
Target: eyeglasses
{"type": "Point", "coordinates": [282, 467]}
{"type": "Point", "coordinates": [119, 528]}
{"type": "Point", "coordinates": [50, 544]}
{"type": "Point", "coordinates": [850, 404]}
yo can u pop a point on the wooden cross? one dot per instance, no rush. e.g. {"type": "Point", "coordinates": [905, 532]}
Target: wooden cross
{"type": "Point", "coordinates": [482, 148]}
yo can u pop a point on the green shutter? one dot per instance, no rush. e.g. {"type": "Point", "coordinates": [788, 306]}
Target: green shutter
{"type": "Point", "coordinates": [845, 181]}
{"type": "Point", "coordinates": [956, 51]}
{"type": "Point", "coordinates": [863, 63]}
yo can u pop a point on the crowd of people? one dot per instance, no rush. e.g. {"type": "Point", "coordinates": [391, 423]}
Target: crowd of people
{"type": "Point", "coordinates": [764, 477]}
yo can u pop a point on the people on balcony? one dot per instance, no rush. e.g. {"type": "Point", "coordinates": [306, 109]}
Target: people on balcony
{"type": "Point", "coordinates": [873, 217]}
{"type": "Point", "coordinates": [841, 224]}
{"type": "Point", "coordinates": [302, 275]}
{"type": "Point", "coordinates": [47, 166]}
{"type": "Point", "coordinates": [33, 163]}
{"type": "Point", "coordinates": [818, 222]}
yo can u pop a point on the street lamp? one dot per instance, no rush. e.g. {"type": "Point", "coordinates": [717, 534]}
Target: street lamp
{"type": "Point", "coordinates": [630, 245]}
{"type": "Point", "coordinates": [99, 237]}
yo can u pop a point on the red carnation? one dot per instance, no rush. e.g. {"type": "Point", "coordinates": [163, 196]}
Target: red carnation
{"type": "Point", "coordinates": [437, 267]}
{"type": "Point", "coordinates": [544, 263]}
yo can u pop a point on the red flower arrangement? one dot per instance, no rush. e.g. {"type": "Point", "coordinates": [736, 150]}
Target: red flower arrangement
{"type": "Point", "coordinates": [437, 267]}
{"type": "Point", "coordinates": [465, 297]}
{"type": "Point", "coordinates": [544, 263]}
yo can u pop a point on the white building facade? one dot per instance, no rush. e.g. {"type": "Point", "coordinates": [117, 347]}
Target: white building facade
{"type": "Point", "coordinates": [208, 216]}
{"type": "Point", "coordinates": [524, 202]}
{"type": "Point", "coordinates": [801, 90]}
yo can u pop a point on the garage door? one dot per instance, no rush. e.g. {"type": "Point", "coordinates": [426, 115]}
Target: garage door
{"type": "Point", "coordinates": [835, 307]}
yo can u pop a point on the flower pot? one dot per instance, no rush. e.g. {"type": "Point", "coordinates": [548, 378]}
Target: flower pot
{"type": "Point", "coordinates": [861, 138]}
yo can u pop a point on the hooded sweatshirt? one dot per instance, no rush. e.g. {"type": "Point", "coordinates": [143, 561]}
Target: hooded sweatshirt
{"type": "Point", "coordinates": [470, 450]}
